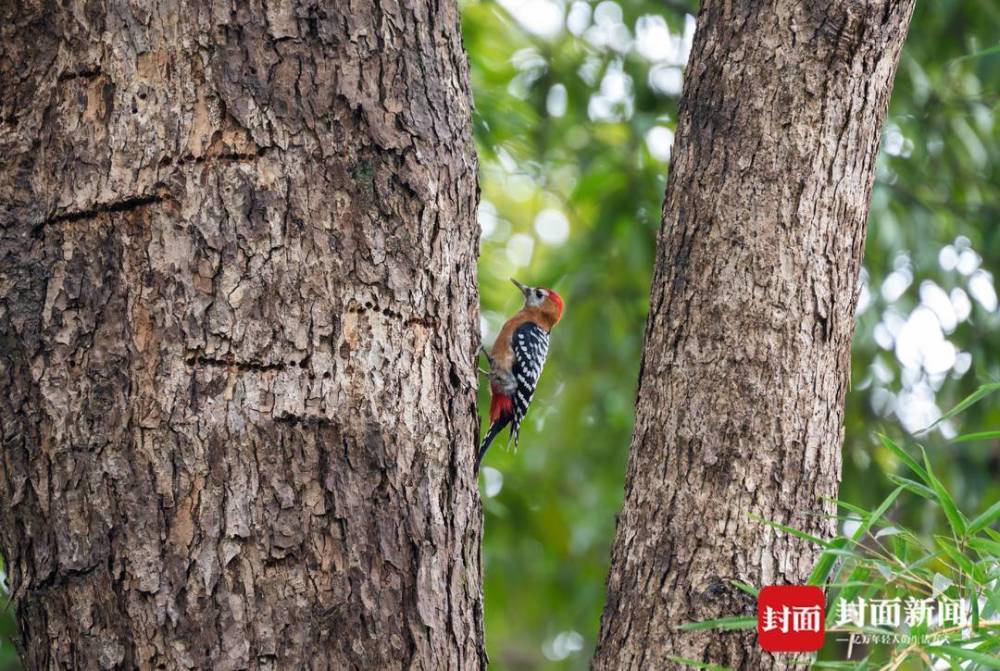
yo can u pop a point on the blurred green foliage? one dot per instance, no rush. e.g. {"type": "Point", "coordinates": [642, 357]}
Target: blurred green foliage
{"type": "Point", "coordinates": [575, 107]}
{"type": "Point", "coordinates": [573, 104]}
{"type": "Point", "coordinates": [947, 605]}
{"type": "Point", "coordinates": [8, 655]}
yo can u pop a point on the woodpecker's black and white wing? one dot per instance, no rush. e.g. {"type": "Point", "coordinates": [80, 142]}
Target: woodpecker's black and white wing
{"type": "Point", "coordinates": [531, 346]}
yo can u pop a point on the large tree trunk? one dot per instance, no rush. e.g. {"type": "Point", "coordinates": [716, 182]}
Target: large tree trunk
{"type": "Point", "coordinates": [747, 350]}
{"type": "Point", "coordinates": [238, 318]}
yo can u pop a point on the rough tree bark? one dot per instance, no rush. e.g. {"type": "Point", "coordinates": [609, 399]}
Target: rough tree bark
{"type": "Point", "coordinates": [238, 318]}
{"type": "Point", "coordinates": [747, 349]}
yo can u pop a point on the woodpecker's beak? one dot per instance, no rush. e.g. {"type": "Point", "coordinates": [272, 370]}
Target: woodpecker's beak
{"type": "Point", "coordinates": [524, 289]}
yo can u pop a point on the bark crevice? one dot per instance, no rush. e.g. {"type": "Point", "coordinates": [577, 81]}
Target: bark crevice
{"type": "Point", "coordinates": [123, 205]}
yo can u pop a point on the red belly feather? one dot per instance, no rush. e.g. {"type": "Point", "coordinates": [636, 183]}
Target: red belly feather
{"type": "Point", "coordinates": [500, 404]}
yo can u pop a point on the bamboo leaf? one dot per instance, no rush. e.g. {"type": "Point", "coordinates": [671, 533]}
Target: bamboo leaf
{"type": "Point", "coordinates": [791, 531]}
{"type": "Point", "coordinates": [742, 586]}
{"type": "Point", "coordinates": [888, 531]}
{"type": "Point", "coordinates": [912, 486]}
{"type": "Point", "coordinates": [991, 515]}
{"type": "Point", "coordinates": [987, 548]}
{"type": "Point", "coordinates": [697, 665]}
{"type": "Point", "coordinates": [824, 565]}
{"type": "Point", "coordinates": [982, 53]}
{"type": "Point", "coordinates": [970, 400]}
{"type": "Point", "coordinates": [974, 600]}
{"type": "Point", "coordinates": [723, 623]}
{"type": "Point", "coordinates": [960, 560]}
{"type": "Point", "coordinates": [941, 584]}
{"type": "Point", "coordinates": [876, 514]}
{"type": "Point", "coordinates": [955, 518]}
{"type": "Point", "coordinates": [980, 435]}
{"type": "Point", "coordinates": [826, 561]}
{"type": "Point", "coordinates": [903, 456]}
{"type": "Point", "coordinates": [988, 661]}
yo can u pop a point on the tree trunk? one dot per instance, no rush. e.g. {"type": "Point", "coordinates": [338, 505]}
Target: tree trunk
{"type": "Point", "coordinates": [238, 319]}
{"type": "Point", "coordinates": [747, 350]}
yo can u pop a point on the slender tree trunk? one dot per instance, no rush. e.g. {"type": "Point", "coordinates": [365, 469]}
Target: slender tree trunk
{"type": "Point", "coordinates": [238, 318]}
{"type": "Point", "coordinates": [746, 358]}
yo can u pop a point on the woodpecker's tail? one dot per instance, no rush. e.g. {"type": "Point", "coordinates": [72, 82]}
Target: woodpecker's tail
{"type": "Point", "coordinates": [495, 429]}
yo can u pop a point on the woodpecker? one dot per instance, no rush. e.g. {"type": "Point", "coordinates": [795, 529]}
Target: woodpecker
{"type": "Point", "coordinates": [516, 361]}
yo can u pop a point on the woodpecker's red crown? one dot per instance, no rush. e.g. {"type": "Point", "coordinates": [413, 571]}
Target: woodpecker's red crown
{"type": "Point", "coordinates": [557, 301]}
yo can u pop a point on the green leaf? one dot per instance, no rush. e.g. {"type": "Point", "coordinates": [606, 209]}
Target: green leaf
{"type": "Point", "coordinates": [749, 589]}
{"type": "Point", "coordinates": [970, 400]}
{"type": "Point", "coordinates": [988, 549]}
{"type": "Point", "coordinates": [991, 515]}
{"type": "Point", "coordinates": [850, 507]}
{"type": "Point", "coordinates": [876, 514]}
{"type": "Point", "coordinates": [791, 531]}
{"type": "Point", "coordinates": [848, 554]}
{"type": "Point", "coordinates": [888, 531]}
{"type": "Point", "coordinates": [912, 486]}
{"type": "Point", "coordinates": [824, 565]}
{"type": "Point", "coordinates": [988, 661]}
{"type": "Point", "coordinates": [955, 518]}
{"type": "Point", "coordinates": [982, 53]}
{"type": "Point", "coordinates": [924, 561]}
{"type": "Point", "coordinates": [974, 602]}
{"type": "Point", "coordinates": [849, 583]}
{"type": "Point", "coordinates": [827, 559]}
{"type": "Point", "coordinates": [903, 456]}
{"type": "Point", "coordinates": [960, 560]}
{"type": "Point", "coordinates": [993, 600]}
{"type": "Point", "coordinates": [856, 582]}
{"type": "Point", "coordinates": [981, 435]}
{"type": "Point", "coordinates": [697, 665]}
{"type": "Point", "coordinates": [941, 584]}
{"type": "Point", "coordinates": [723, 623]}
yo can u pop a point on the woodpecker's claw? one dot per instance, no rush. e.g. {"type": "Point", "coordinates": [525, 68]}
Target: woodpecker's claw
{"type": "Point", "coordinates": [486, 353]}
